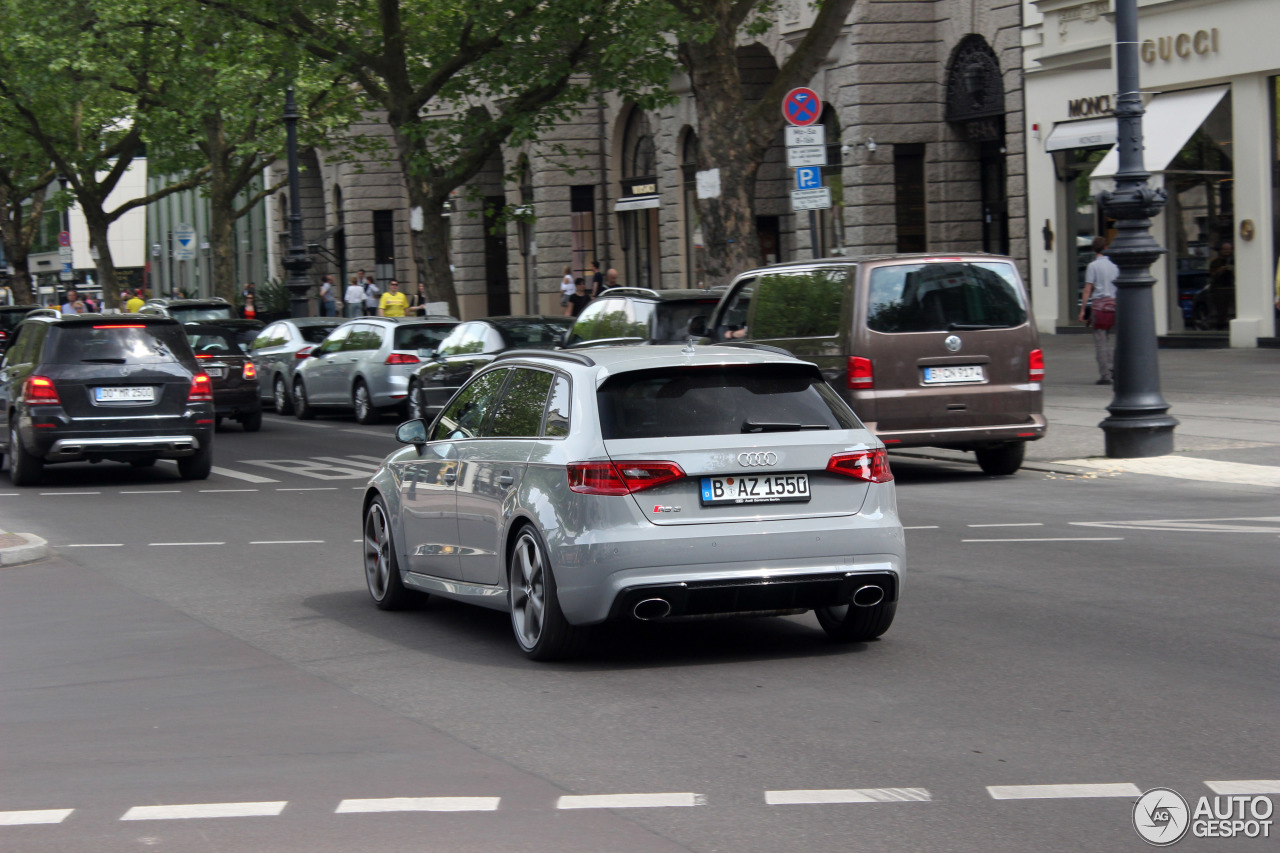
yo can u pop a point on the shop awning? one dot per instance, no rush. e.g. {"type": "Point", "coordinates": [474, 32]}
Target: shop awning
{"type": "Point", "coordinates": [637, 203]}
{"type": "Point", "coordinates": [1088, 133]}
{"type": "Point", "coordinates": [1170, 121]}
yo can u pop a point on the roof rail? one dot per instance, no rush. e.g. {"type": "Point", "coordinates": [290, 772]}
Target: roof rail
{"type": "Point", "coordinates": [575, 357]}
{"type": "Point", "coordinates": [754, 345]}
{"type": "Point", "coordinates": [632, 291]}
{"type": "Point", "coordinates": [44, 312]}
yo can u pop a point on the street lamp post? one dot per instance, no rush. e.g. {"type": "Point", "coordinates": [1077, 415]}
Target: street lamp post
{"type": "Point", "coordinates": [1139, 424]}
{"type": "Point", "coordinates": [298, 262]}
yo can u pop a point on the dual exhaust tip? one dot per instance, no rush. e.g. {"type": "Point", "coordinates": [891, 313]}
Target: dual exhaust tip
{"type": "Point", "coordinates": [659, 608]}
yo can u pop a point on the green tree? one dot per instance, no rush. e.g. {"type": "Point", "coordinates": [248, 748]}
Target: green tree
{"type": "Point", "coordinates": [25, 175]}
{"type": "Point", "coordinates": [457, 81]}
{"type": "Point", "coordinates": [734, 134]}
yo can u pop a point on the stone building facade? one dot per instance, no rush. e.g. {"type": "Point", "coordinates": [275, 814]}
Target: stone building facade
{"type": "Point", "coordinates": [924, 130]}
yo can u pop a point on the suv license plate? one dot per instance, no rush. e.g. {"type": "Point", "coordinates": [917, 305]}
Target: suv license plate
{"type": "Point", "coordinates": [131, 394]}
{"type": "Point", "coordinates": [958, 373]}
{"type": "Point", "coordinates": [755, 489]}
{"type": "Point", "coordinates": [216, 372]}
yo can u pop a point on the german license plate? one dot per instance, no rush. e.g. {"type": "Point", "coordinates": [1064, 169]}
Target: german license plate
{"type": "Point", "coordinates": [954, 373]}
{"type": "Point", "coordinates": [125, 394]}
{"type": "Point", "coordinates": [755, 489]}
{"type": "Point", "coordinates": [216, 372]}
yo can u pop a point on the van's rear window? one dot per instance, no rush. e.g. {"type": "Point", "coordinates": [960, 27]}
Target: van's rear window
{"type": "Point", "coordinates": [728, 400]}
{"type": "Point", "coordinates": [151, 343]}
{"type": "Point", "coordinates": [941, 297]}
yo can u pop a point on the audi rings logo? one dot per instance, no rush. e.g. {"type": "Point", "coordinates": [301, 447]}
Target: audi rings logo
{"type": "Point", "coordinates": [757, 459]}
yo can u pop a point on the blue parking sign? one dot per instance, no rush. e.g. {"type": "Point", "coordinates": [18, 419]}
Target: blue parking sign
{"type": "Point", "coordinates": [808, 177]}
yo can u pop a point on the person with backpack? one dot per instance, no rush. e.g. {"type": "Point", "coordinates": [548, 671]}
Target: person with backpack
{"type": "Point", "coordinates": [1098, 308]}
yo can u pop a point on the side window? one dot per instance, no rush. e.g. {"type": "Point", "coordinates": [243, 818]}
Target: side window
{"type": "Point", "coordinates": [450, 345]}
{"type": "Point", "coordinates": [733, 320]}
{"type": "Point", "coordinates": [798, 304]}
{"type": "Point", "coordinates": [557, 425]}
{"type": "Point", "coordinates": [473, 341]}
{"type": "Point", "coordinates": [334, 342]}
{"type": "Point", "coordinates": [362, 337]}
{"type": "Point", "coordinates": [267, 338]}
{"type": "Point", "coordinates": [492, 340]}
{"type": "Point", "coordinates": [465, 415]}
{"type": "Point", "coordinates": [610, 319]}
{"type": "Point", "coordinates": [519, 413]}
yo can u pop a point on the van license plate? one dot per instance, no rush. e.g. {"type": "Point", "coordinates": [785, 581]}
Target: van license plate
{"type": "Point", "coordinates": [131, 394]}
{"type": "Point", "coordinates": [753, 489]}
{"type": "Point", "coordinates": [956, 373]}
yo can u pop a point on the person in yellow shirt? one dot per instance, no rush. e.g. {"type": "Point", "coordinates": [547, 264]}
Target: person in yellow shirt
{"type": "Point", "coordinates": [393, 303]}
{"type": "Point", "coordinates": [135, 303]}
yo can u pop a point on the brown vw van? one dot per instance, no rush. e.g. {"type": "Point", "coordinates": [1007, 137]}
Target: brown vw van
{"type": "Point", "coordinates": [929, 350]}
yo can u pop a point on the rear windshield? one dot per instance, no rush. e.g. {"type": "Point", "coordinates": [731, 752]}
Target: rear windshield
{"type": "Point", "coordinates": [9, 320]}
{"type": "Point", "coordinates": [941, 297]}
{"type": "Point", "coordinates": [201, 315]}
{"type": "Point", "coordinates": [124, 344]}
{"type": "Point", "coordinates": [539, 335]}
{"type": "Point", "coordinates": [419, 337]}
{"type": "Point", "coordinates": [316, 334]}
{"type": "Point", "coordinates": [672, 323]}
{"type": "Point", "coordinates": [212, 342]}
{"type": "Point", "coordinates": [678, 401]}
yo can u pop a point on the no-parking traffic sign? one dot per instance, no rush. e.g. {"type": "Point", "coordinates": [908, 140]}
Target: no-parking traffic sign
{"type": "Point", "coordinates": [802, 106]}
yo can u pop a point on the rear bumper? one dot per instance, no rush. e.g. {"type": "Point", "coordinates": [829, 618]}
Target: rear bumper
{"type": "Point", "coordinates": [761, 595]}
{"type": "Point", "coordinates": [163, 446]}
{"type": "Point", "coordinates": [49, 433]}
{"type": "Point", "coordinates": [239, 401]}
{"type": "Point", "coordinates": [1032, 429]}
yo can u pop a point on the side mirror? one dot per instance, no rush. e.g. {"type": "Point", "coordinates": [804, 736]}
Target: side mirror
{"type": "Point", "coordinates": [698, 326]}
{"type": "Point", "coordinates": [412, 432]}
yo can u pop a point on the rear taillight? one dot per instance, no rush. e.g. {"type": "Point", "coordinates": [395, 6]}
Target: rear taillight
{"type": "Point", "coordinates": [249, 372]}
{"type": "Point", "coordinates": [303, 353]}
{"type": "Point", "coordinates": [39, 389]}
{"type": "Point", "coordinates": [620, 478]}
{"type": "Point", "coordinates": [860, 373]}
{"type": "Point", "coordinates": [201, 389]}
{"type": "Point", "coordinates": [402, 358]}
{"type": "Point", "coordinates": [871, 466]}
{"type": "Point", "coordinates": [1035, 366]}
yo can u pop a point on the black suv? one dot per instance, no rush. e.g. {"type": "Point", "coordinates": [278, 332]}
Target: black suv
{"type": "Point", "coordinates": [637, 315]}
{"type": "Point", "coordinates": [89, 387]}
{"type": "Point", "coordinates": [213, 309]}
{"type": "Point", "coordinates": [10, 317]}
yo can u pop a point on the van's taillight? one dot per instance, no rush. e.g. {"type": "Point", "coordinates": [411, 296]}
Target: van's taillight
{"type": "Point", "coordinates": [303, 353]}
{"type": "Point", "coordinates": [871, 466]}
{"type": "Point", "coordinates": [620, 478]}
{"type": "Point", "coordinates": [39, 389]}
{"type": "Point", "coordinates": [402, 358]}
{"type": "Point", "coordinates": [201, 389]}
{"type": "Point", "coordinates": [860, 372]}
{"type": "Point", "coordinates": [1035, 366]}
{"type": "Point", "coordinates": [249, 372]}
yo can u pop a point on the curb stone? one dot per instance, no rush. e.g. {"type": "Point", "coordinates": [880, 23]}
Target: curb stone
{"type": "Point", "coordinates": [19, 548]}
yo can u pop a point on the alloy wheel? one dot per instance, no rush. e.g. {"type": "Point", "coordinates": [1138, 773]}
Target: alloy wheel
{"type": "Point", "coordinates": [528, 590]}
{"type": "Point", "coordinates": [281, 396]}
{"type": "Point", "coordinates": [377, 551]}
{"type": "Point", "coordinates": [415, 402]}
{"type": "Point", "coordinates": [362, 402]}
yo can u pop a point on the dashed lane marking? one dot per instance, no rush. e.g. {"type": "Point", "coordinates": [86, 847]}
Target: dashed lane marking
{"type": "Point", "coordinates": [630, 801]}
{"type": "Point", "coordinates": [200, 810]}
{"type": "Point", "coordinates": [174, 544]}
{"type": "Point", "coordinates": [93, 545]}
{"type": "Point", "coordinates": [311, 489]}
{"type": "Point", "coordinates": [153, 492]}
{"type": "Point", "coordinates": [220, 491]}
{"type": "Point", "coordinates": [1063, 792]}
{"type": "Point", "coordinates": [1245, 786]}
{"type": "Point", "coordinates": [60, 494]}
{"type": "Point", "coordinates": [10, 494]}
{"type": "Point", "coordinates": [1056, 539]}
{"type": "Point", "coordinates": [1011, 524]}
{"type": "Point", "coordinates": [419, 804]}
{"type": "Point", "coordinates": [847, 795]}
{"type": "Point", "coordinates": [288, 542]}
{"type": "Point", "coordinates": [26, 818]}
{"type": "Point", "coordinates": [922, 527]}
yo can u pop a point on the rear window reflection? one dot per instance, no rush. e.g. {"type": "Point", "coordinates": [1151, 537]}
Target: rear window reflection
{"type": "Point", "coordinates": [944, 297]}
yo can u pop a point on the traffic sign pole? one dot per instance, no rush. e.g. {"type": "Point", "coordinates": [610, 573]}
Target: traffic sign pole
{"type": "Point", "coordinates": [806, 153]}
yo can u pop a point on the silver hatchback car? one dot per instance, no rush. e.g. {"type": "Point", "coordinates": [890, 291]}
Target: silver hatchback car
{"type": "Point", "coordinates": [639, 483]}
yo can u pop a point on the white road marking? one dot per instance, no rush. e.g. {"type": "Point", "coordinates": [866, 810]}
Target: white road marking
{"type": "Point", "coordinates": [71, 493]}
{"type": "Point", "coordinates": [1011, 524]}
{"type": "Point", "coordinates": [1245, 786]}
{"type": "Point", "coordinates": [372, 432]}
{"type": "Point", "coordinates": [9, 494]}
{"type": "Point", "coordinates": [154, 492]}
{"type": "Point", "coordinates": [371, 466]}
{"type": "Point", "coordinates": [240, 475]}
{"type": "Point", "coordinates": [93, 545]}
{"type": "Point", "coordinates": [1253, 524]}
{"type": "Point", "coordinates": [217, 491]}
{"type": "Point", "coordinates": [26, 818]}
{"type": "Point", "coordinates": [419, 804]}
{"type": "Point", "coordinates": [1063, 792]}
{"type": "Point", "coordinates": [164, 544]}
{"type": "Point", "coordinates": [629, 801]}
{"type": "Point", "coordinates": [311, 426]}
{"type": "Point", "coordinates": [923, 527]}
{"type": "Point", "coordinates": [311, 489]}
{"type": "Point", "coordinates": [288, 542]}
{"type": "Point", "coordinates": [312, 468]}
{"type": "Point", "coordinates": [199, 810]}
{"type": "Point", "coordinates": [847, 795]}
{"type": "Point", "coordinates": [1056, 539]}
{"type": "Point", "coordinates": [1188, 468]}
{"type": "Point", "coordinates": [375, 459]}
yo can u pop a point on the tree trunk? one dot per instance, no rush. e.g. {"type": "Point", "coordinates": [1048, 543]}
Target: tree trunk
{"type": "Point", "coordinates": [431, 244]}
{"type": "Point", "coordinates": [105, 267]}
{"type": "Point", "coordinates": [17, 230]}
{"type": "Point", "coordinates": [222, 242]}
{"type": "Point", "coordinates": [23, 293]}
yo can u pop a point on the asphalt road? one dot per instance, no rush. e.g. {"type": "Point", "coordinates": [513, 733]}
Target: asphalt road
{"type": "Point", "coordinates": [209, 647]}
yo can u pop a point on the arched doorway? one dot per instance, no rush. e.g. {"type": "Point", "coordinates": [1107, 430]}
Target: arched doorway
{"type": "Point", "coordinates": [975, 107]}
{"type": "Point", "coordinates": [638, 206]}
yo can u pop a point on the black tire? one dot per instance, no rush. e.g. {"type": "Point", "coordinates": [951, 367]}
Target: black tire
{"type": "Point", "coordinates": [381, 565]}
{"type": "Point", "coordinates": [143, 463]}
{"type": "Point", "coordinates": [543, 633]}
{"type": "Point", "coordinates": [849, 623]}
{"type": "Point", "coordinates": [251, 422]}
{"type": "Point", "coordinates": [302, 409]}
{"type": "Point", "coordinates": [217, 421]}
{"type": "Point", "coordinates": [198, 465]}
{"type": "Point", "coordinates": [414, 402]}
{"type": "Point", "coordinates": [362, 402]}
{"type": "Point", "coordinates": [25, 469]}
{"type": "Point", "coordinates": [1002, 460]}
{"type": "Point", "coordinates": [281, 398]}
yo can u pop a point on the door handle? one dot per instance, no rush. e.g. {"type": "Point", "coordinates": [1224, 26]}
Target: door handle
{"type": "Point", "coordinates": [505, 479]}
{"type": "Point", "coordinates": [450, 477]}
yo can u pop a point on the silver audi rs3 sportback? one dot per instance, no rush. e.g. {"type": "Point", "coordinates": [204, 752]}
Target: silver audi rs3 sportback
{"type": "Point", "coordinates": [639, 483]}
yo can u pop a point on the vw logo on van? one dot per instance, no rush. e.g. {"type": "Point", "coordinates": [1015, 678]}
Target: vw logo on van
{"type": "Point", "coordinates": [757, 459]}
{"type": "Point", "coordinates": [952, 343]}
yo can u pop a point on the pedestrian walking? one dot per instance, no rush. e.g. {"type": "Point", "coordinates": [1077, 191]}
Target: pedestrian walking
{"type": "Point", "coordinates": [353, 299]}
{"type": "Point", "coordinates": [328, 298]}
{"type": "Point", "coordinates": [610, 281]}
{"type": "Point", "coordinates": [566, 292]}
{"type": "Point", "coordinates": [371, 294]}
{"type": "Point", "coordinates": [418, 301]}
{"type": "Point", "coordinates": [393, 303]}
{"type": "Point", "coordinates": [1098, 308]}
{"type": "Point", "coordinates": [597, 280]}
{"type": "Point", "coordinates": [68, 307]}
{"type": "Point", "coordinates": [580, 299]}
{"type": "Point", "coordinates": [135, 303]}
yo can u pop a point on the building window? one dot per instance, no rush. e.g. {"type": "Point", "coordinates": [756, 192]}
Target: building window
{"type": "Point", "coordinates": [694, 250]}
{"type": "Point", "coordinates": [908, 187]}
{"type": "Point", "coordinates": [384, 247]}
{"type": "Point", "coordinates": [639, 224]}
{"type": "Point", "coordinates": [582, 228]}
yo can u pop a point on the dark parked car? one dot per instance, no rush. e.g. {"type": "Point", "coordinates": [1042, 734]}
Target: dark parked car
{"type": "Point", "coordinates": [472, 345]}
{"type": "Point", "coordinates": [213, 309]}
{"type": "Point", "coordinates": [93, 387]}
{"type": "Point", "coordinates": [280, 348]}
{"type": "Point", "coordinates": [10, 317]}
{"type": "Point", "coordinates": [631, 315]}
{"type": "Point", "coordinates": [235, 379]}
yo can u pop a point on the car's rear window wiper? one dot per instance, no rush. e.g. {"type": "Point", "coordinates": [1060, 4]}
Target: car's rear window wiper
{"type": "Point", "coordinates": [102, 360]}
{"type": "Point", "coordinates": [760, 426]}
{"type": "Point", "coordinates": [973, 327]}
